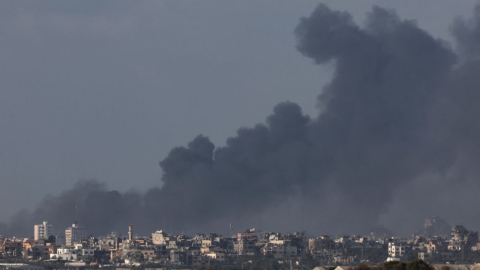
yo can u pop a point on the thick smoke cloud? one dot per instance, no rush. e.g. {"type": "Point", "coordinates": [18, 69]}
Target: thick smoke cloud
{"type": "Point", "coordinates": [467, 34]}
{"type": "Point", "coordinates": [397, 128]}
{"type": "Point", "coordinates": [373, 131]}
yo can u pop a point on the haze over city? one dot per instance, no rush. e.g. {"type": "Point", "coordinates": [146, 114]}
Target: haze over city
{"type": "Point", "coordinates": [316, 116]}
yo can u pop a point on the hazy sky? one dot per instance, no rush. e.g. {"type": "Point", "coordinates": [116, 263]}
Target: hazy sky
{"type": "Point", "coordinates": [104, 89]}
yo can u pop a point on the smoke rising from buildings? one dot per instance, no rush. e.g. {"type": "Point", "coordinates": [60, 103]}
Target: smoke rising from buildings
{"type": "Point", "coordinates": [396, 137]}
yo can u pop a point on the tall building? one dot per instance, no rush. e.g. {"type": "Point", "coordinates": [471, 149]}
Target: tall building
{"type": "Point", "coordinates": [74, 234]}
{"type": "Point", "coordinates": [42, 231]}
{"type": "Point", "coordinates": [130, 232]}
{"type": "Point", "coordinates": [396, 250]}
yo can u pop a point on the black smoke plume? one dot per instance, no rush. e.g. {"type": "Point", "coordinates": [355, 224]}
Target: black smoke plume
{"type": "Point", "coordinates": [397, 138]}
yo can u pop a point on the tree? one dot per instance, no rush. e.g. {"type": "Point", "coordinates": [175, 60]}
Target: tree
{"type": "Point", "coordinates": [418, 265]}
{"type": "Point", "coordinates": [394, 266]}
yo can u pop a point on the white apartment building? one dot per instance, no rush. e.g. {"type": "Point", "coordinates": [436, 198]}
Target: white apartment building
{"type": "Point", "coordinates": [66, 254]}
{"type": "Point", "coordinates": [396, 250]}
{"type": "Point", "coordinates": [74, 234]}
{"type": "Point", "coordinates": [72, 254]}
{"type": "Point", "coordinates": [42, 231]}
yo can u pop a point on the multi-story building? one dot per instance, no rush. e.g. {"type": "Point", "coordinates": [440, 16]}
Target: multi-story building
{"type": "Point", "coordinates": [322, 244]}
{"type": "Point", "coordinates": [249, 235]}
{"type": "Point", "coordinates": [11, 248]}
{"type": "Point", "coordinates": [159, 238]}
{"type": "Point", "coordinates": [246, 243]}
{"type": "Point", "coordinates": [73, 254]}
{"type": "Point", "coordinates": [175, 256]}
{"type": "Point", "coordinates": [41, 252]}
{"type": "Point", "coordinates": [65, 254]}
{"type": "Point", "coordinates": [278, 251]}
{"type": "Point", "coordinates": [74, 234]}
{"type": "Point", "coordinates": [462, 238]}
{"type": "Point", "coordinates": [245, 247]}
{"type": "Point", "coordinates": [27, 248]}
{"type": "Point", "coordinates": [396, 249]}
{"type": "Point", "coordinates": [42, 231]}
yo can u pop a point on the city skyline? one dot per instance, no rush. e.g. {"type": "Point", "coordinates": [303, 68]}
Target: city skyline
{"type": "Point", "coordinates": [433, 247]}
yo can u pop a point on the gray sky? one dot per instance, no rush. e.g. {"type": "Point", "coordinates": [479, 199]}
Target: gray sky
{"type": "Point", "coordinates": [104, 89]}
